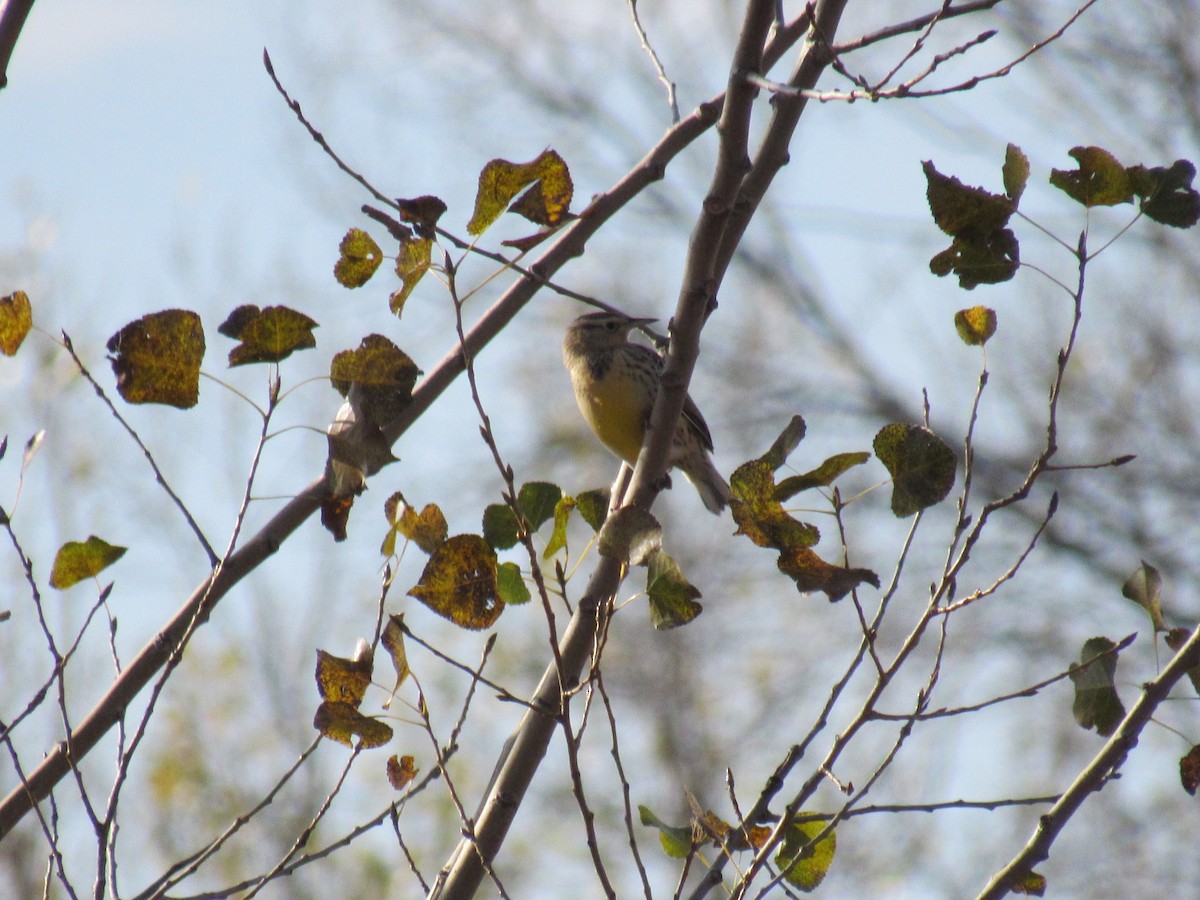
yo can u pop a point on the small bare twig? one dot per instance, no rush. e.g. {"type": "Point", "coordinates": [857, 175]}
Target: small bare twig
{"type": "Point", "coordinates": [659, 70]}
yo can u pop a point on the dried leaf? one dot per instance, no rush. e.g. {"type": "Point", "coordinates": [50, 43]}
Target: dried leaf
{"type": "Point", "coordinates": [459, 582]}
{"type": "Point", "coordinates": [268, 335]}
{"type": "Point", "coordinates": [359, 257]}
{"type": "Point", "coordinates": [16, 318]}
{"type": "Point", "coordinates": [157, 358]}
{"type": "Point", "coordinates": [401, 771]}
{"type": "Point", "coordinates": [921, 464]}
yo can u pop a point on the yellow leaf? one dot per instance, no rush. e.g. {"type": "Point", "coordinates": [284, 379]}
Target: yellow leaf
{"type": "Point", "coordinates": [16, 318]}
{"type": "Point", "coordinates": [76, 561]}
{"type": "Point", "coordinates": [393, 641]}
{"type": "Point", "coordinates": [359, 257]}
{"type": "Point", "coordinates": [975, 325]}
{"type": "Point", "coordinates": [545, 203]}
{"type": "Point", "coordinates": [412, 263]}
{"type": "Point", "coordinates": [341, 722]}
{"type": "Point", "coordinates": [459, 582]}
{"type": "Point", "coordinates": [343, 680]}
{"type": "Point", "coordinates": [267, 335]}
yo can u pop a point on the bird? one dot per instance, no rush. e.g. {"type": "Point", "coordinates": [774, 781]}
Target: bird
{"type": "Point", "coordinates": [615, 384]}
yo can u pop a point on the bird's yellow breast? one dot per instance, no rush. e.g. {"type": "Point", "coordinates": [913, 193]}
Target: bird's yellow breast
{"type": "Point", "coordinates": [616, 406]}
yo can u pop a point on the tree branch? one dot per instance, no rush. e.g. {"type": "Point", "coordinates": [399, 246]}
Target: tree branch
{"type": "Point", "coordinates": [1097, 773]}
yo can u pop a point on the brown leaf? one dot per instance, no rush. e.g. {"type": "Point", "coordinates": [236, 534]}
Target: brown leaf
{"type": "Point", "coordinates": [401, 771]}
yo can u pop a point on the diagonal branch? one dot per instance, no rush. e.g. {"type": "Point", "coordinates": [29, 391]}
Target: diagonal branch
{"type": "Point", "coordinates": [1098, 772]}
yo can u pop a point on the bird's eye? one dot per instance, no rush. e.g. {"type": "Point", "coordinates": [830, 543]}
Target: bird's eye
{"type": "Point", "coordinates": [612, 325]}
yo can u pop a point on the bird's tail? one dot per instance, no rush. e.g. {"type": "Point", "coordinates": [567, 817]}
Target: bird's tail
{"type": "Point", "coordinates": [709, 483]}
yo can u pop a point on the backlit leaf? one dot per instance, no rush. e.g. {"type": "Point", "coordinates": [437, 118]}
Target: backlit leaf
{"type": "Point", "coordinates": [921, 464]}
{"type": "Point", "coordinates": [76, 561]}
{"type": "Point", "coordinates": [803, 864]}
{"type": "Point", "coordinates": [979, 258]}
{"type": "Point", "coordinates": [672, 596]}
{"type": "Point", "coordinates": [1098, 181]}
{"type": "Point", "coordinates": [157, 358]}
{"type": "Point", "coordinates": [383, 374]}
{"type": "Point", "coordinates": [1144, 587]}
{"type": "Point", "coordinates": [510, 585]}
{"type": "Point", "coordinates": [359, 257]}
{"type": "Point", "coordinates": [545, 202]}
{"type": "Point", "coordinates": [593, 507]}
{"type": "Point", "coordinates": [558, 537]}
{"type": "Point", "coordinates": [1015, 172]}
{"type": "Point", "coordinates": [412, 262]}
{"type": "Point", "coordinates": [761, 518]}
{"type": "Point", "coordinates": [401, 771]}
{"type": "Point", "coordinates": [426, 529]}
{"type": "Point", "coordinates": [1031, 884]}
{"type": "Point", "coordinates": [975, 325]}
{"type": "Point", "coordinates": [500, 526]}
{"type": "Point", "coordinates": [16, 318]}
{"type": "Point", "coordinates": [343, 680]}
{"type": "Point", "coordinates": [822, 476]}
{"type": "Point", "coordinates": [459, 582]}
{"type": "Point", "coordinates": [958, 208]}
{"type": "Point", "coordinates": [537, 500]}
{"type": "Point", "coordinates": [1096, 702]}
{"type": "Point", "coordinates": [676, 840]}
{"type": "Point", "coordinates": [267, 335]}
{"type": "Point", "coordinates": [392, 639]}
{"type": "Point", "coordinates": [342, 722]}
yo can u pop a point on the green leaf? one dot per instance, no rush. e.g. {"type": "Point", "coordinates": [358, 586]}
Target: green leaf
{"type": "Point", "coordinates": [459, 582]}
{"type": "Point", "coordinates": [76, 561]}
{"type": "Point", "coordinates": [537, 500]}
{"type": "Point", "coordinates": [545, 203]}
{"type": "Point", "coordinates": [359, 257]}
{"type": "Point", "coordinates": [1016, 173]}
{"type": "Point", "coordinates": [510, 585]}
{"type": "Point", "coordinates": [500, 526]}
{"type": "Point", "coordinates": [921, 464]}
{"type": "Point", "coordinates": [267, 335]}
{"type": "Point", "coordinates": [1144, 587]}
{"type": "Point", "coordinates": [558, 537]}
{"type": "Point", "coordinates": [1096, 702]}
{"type": "Point", "coordinates": [804, 865]}
{"type": "Point", "coordinates": [1167, 195]}
{"type": "Point", "coordinates": [16, 318]}
{"type": "Point", "coordinates": [975, 325]}
{"type": "Point", "coordinates": [593, 507]}
{"type": "Point", "coordinates": [1031, 884]}
{"type": "Point", "coordinates": [676, 840]}
{"type": "Point", "coordinates": [822, 476]}
{"type": "Point", "coordinates": [1098, 181]}
{"type": "Point", "coordinates": [157, 358]}
{"type": "Point", "coordinates": [672, 596]}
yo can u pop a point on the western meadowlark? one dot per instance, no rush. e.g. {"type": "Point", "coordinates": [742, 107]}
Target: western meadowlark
{"type": "Point", "coordinates": [615, 385]}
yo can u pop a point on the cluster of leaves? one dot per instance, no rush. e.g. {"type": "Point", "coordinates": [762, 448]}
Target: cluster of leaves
{"type": "Point", "coordinates": [984, 249]}
{"type": "Point", "coordinates": [804, 855]}
{"type": "Point", "coordinates": [922, 467]}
